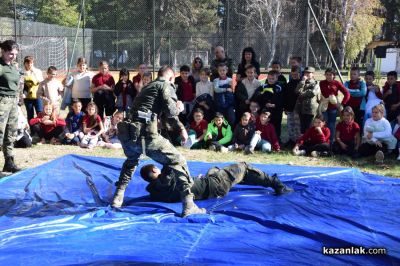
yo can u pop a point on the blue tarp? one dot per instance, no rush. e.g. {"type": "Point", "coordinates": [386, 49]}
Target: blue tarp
{"type": "Point", "coordinates": [59, 214]}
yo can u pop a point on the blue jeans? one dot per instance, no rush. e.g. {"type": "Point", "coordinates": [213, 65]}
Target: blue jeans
{"type": "Point", "coordinates": [330, 119]}
{"type": "Point", "coordinates": [31, 106]}
{"type": "Point", "coordinates": [259, 143]}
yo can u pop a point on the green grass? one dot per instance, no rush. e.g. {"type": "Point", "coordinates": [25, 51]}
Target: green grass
{"type": "Point", "coordinates": [40, 154]}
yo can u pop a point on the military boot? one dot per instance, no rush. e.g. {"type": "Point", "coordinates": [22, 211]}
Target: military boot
{"type": "Point", "coordinates": [278, 186]}
{"type": "Point", "coordinates": [118, 196]}
{"type": "Point", "coordinates": [9, 165]}
{"type": "Point", "coordinates": [189, 207]}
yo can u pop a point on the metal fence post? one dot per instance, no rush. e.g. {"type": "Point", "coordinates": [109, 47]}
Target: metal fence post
{"type": "Point", "coordinates": [154, 37]}
{"type": "Point", "coordinates": [308, 36]}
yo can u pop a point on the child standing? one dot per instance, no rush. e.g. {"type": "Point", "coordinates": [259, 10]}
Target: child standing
{"type": "Point", "coordinates": [391, 95]}
{"type": "Point", "coordinates": [32, 78]}
{"type": "Point", "coordinates": [47, 125]}
{"type": "Point", "coordinates": [307, 102]}
{"type": "Point", "coordinates": [265, 138]}
{"type": "Point", "coordinates": [329, 104]}
{"type": "Point", "coordinates": [245, 90]}
{"type": "Point", "coordinates": [270, 96]}
{"type": "Point", "coordinates": [315, 141]}
{"type": "Point", "coordinates": [223, 94]}
{"type": "Point", "coordinates": [138, 79]}
{"type": "Point", "coordinates": [377, 138]}
{"type": "Point", "coordinates": [51, 88]}
{"type": "Point", "coordinates": [125, 91]}
{"type": "Point", "coordinates": [290, 96]}
{"type": "Point", "coordinates": [109, 136]}
{"type": "Point", "coordinates": [243, 134]}
{"type": "Point", "coordinates": [254, 111]}
{"type": "Point", "coordinates": [147, 78]}
{"type": "Point", "coordinates": [374, 95]}
{"type": "Point", "coordinates": [73, 129]}
{"type": "Point", "coordinates": [277, 66]}
{"type": "Point", "coordinates": [347, 140]}
{"type": "Point", "coordinates": [103, 90]}
{"type": "Point", "coordinates": [219, 134]}
{"type": "Point", "coordinates": [358, 90]}
{"type": "Point", "coordinates": [204, 95]}
{"type": "Point", "coordinates": [92, 127]}
{"type": "Point", "coordinates": [186, 92]}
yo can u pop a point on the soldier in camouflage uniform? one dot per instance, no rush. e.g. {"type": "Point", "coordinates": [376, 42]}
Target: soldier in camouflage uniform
{"type": "Point", "coordinates": [216, 183]}
{"type": "Point", "coordinates": [308, 100]}
{"type": "Point", "coordinates": [9, 96]}
{"type": "Point", "coordinates": [139, 134]}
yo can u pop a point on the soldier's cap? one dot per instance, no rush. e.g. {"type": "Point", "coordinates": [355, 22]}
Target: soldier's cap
{"type": "Point", "coordinates": [309, 69]}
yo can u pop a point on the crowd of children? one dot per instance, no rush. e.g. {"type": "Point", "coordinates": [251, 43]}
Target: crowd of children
{"type": "Point", "coordinates": [227, 114]}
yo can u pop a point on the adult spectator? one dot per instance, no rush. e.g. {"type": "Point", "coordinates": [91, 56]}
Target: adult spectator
{"type": "Point", "coordinates": [197, 65]}
{"type": "Point", "coordinates": [248, 58]}
{"type": "Point", "coordinates": [9, 93]}
{"type": "Point", "coordinates": [32, 79]}
{"type": "Point", "coordinates": [220, 58]}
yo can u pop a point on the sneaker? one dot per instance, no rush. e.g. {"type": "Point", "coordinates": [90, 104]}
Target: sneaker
{"type": "Point", "coordinates": [379, 157]}
{"type": "Point", "coordinates": [398, 158]}
{"type": "Point", "coordinates": [188, 144]}
{"type": "Point", "coordinates": [297, 152]}
{"type": "Point", "coordinates": [224, 149]}
{"type": "Point", "coordinates": [315, 154]}
{"type": "Point", "coordinates": [212, 147]}
{"type": "Point", "coordinates": [248, 150]}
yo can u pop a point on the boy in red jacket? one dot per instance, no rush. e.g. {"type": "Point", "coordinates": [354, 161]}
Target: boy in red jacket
{"type": "Point", "coordinates": [315, 141]}
{"type": "Point", "coordinates": [265, 137]}
{"type": "Point", "coordinates": [47, 125]}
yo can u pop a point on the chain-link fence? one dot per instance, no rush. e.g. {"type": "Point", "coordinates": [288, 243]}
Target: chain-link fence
{"type": "Point", "coordinates": [126, 33]}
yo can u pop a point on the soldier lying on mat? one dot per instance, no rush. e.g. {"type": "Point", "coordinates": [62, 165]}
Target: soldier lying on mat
{"type": "Point", "coordinates": [216, 183]}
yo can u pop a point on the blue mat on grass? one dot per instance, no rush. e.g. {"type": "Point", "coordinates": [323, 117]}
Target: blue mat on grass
{"type": "Point", "coordinates": [59, 214]}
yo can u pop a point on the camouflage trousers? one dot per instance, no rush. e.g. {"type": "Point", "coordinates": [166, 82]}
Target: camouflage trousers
{"type": "Point", "coordinates": [160, 150]}
{"type": "Point", "coordinates": [293, 126]}
{"type": "Point", "coordinates": [225, 178]}
{"type": "Point", "coordinates": [8, 124]}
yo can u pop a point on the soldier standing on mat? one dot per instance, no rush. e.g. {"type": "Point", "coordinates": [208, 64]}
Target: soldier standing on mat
{"type": "Point", "coordinates": [139, 135]}
{"type": "Point", "coordinates": [216, 183]}
{"type": "Point", "coordinates": [9, 97]}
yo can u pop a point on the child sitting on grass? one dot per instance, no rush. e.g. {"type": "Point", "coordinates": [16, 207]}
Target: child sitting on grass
{"type": "Point", "coordinates": [396, 132]}
{"type": "Point", "coordinates": [315, 141]}
{"type": "Point", "coordinates": [92, 127]}
{"type": "Point", "coordinates": [47, 125]}
{"type": "Point", "coordinates": [347, 140]}
{"type": "Point", "coordinates": [73, 130]}
{"type": "Point", "coordinates": [243, 134]}
{"type": "Point", "coordinates": [264, 138]}
{"type": "Point", "coordinates": [109, 136]}
{"type": "Point", "coordinates": [377, 138]}
{"type": "Point", "coordinates": [219, 134]}
{"type": "Point", "coordinates": [197, 130]}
